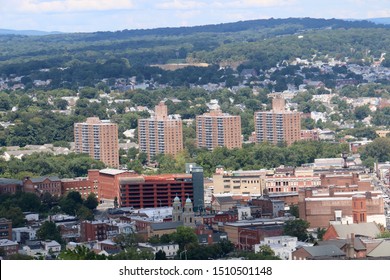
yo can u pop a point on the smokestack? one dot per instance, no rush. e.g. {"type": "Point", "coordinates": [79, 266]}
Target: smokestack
{"type": "Point", "coordinates": [344, 155]}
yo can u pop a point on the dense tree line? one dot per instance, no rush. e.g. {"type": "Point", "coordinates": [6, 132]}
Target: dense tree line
{"type": "Point", "coordinates": [12, 207]}
{"type": "Point", "coordinates": [377, 151]}
{"type": "Point", "coordinates": [253, 156]}
{"type": "Point", "coordinates": [45, 164]}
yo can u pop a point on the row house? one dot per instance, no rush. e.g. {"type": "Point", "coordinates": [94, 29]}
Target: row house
{"type": "Point", "coordinates": [97, 230]}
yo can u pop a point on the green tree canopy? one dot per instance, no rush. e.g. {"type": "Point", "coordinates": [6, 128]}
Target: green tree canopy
{"type": "Point", "coordinates": [297, 228]}
{"type": "Point", "coordinates": [91, 202]}
{"type": "Point", "coordinates": [184, 236]}
{"type": "Point", "coordinates": [49, 231]}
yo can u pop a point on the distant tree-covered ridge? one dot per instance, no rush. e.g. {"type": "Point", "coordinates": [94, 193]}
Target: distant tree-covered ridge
{"type": "Point", "coordinates": [123, 53]}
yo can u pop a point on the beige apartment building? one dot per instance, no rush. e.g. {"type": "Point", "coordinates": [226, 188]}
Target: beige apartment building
{"type": "Point", "coordinates": [253, 182]}
{"type": "Point", "coordinates": [217, 129]}
{"type": "Point", "coordinates": [278, 125]}
{"type": "Point", "coordinates": [99, 139]}
{"type": "Point", "coordinates": [160, 134]}
{"type": "Point", "coordinates": [249, 182]}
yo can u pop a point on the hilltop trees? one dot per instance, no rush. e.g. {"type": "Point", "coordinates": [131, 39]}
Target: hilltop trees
{"type": "Point", "coordinates": [46, 164]}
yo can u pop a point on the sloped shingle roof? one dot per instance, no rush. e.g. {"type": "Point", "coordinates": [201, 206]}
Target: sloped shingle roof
{"type": "Point", "coordinates": [382, 250]}
{"type": "Point", "coordinates": [364, 229]}
{"type": "Point", "coordinates": [6, 181]}
{"type": "Point", "coordinates": [165, 225]}
{"type": "Point", "coordinates": [41, 179]}
{"type": "Point", "coordinates": [324, 251]}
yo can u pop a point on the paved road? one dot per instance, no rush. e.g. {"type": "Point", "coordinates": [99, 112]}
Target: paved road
{"type": "Point", "coordinates": [379, 185]}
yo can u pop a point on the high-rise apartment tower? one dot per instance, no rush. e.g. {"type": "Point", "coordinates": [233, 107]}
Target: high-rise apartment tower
{"type": "Point", "coordinates": [99, 139]}
{"type": "Point", "coordinates": [160, 134]}
{"type": "Point", "coordinates": [278, 125]}
{"type": "Point", "coordinates": [217, 129]}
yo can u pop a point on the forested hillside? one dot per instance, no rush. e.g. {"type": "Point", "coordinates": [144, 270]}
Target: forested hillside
{"type": "Point", "coordinates": [86, 57]}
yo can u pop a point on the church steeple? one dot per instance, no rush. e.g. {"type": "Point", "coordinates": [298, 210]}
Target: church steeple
{"type": "Point", "coordinates": [188, 214]}
{"type": "Point", "coordinates": [177, 210]}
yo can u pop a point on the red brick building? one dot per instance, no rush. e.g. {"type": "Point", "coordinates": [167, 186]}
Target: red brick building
{"type": "Point", "coordinates": [109, 181]}
{"type": "Point", "coordinates": [246, 234]}
{"type": "Point", "coordinates": [9, 247]}
{"type": "Point", "coordinates": [288, 198]}
{"type": "Point", "coordinates": [83, 185]}
{"type": "Point", "coordinates": [10, 186]}
{"type": "Point", "coordinates": [321, 206]}
{"type": "Point", "coordinates": [5, 229]}
{"type": "Point", "coordinates": [351, 180]}
{"type": "Point", "coordinates": [90, 231]}
{"type": "Point", "coordinates": [322, 252]}
{"type": "Point", "coordinates": [225, 217]}
{"type": "Point", "coordinates": [310, 135]}
{"type": "Point", "coordinates": [41, 185]}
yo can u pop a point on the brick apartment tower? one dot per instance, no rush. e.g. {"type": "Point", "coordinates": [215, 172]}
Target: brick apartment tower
{"type": "Point", "coordinates": [278, 125]}
{"type": "Point", "coordinates": [217, 129]}
{"type": "Point", "coordinates": [99, 139]}
{"type": "Point", "coordinates": [161, 134]}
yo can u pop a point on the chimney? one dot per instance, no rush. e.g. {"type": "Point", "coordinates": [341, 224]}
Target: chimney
{"type": "Point", "coordinates": [331, 191]}
{"type": "Point", "coordinates": [351, 246]}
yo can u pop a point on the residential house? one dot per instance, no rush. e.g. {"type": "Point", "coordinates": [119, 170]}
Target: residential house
{"type": "Point", "coordinates": [344, 231]}
{"type": "Point", "coordinates": [380, 251]}
{"type": "Point", "coordinates": [170, 250]}
{"type": "Point", "coordinates": [283, 245]}
{"type": "Point", "coordinates": [223, 203]}
{"type": "Point", "coordinates": [23, 234]}
{"type": "Point", "coordinates": [9, 247]}
{"type": "Point", "coordinates": [322, 252]}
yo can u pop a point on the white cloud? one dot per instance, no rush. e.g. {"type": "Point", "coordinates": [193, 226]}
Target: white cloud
{"type": "Point", "coordinates": [378, 14]}
{"type": "Point", "coordinates": [241, 4]}
{"type": "Point", "coordinates": [181, 5]}
{"type": "Point", "coordinates": [252, 3]}
{"type": "Point", "coordinates": [61, 6]}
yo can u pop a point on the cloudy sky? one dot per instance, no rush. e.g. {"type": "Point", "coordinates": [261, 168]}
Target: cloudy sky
{"type": "Point", "coordinates": [112, 15]}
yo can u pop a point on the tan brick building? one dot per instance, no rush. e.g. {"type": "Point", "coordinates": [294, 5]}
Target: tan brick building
{"type": "Point", "coordinates": [161, 134]}
{"type": "Point", "coordinates": [99, 139]}
{"type": "Point", "coordinates": [253, 182]}
{"type": "Point", "coordinates": [278, 125]}
{"type": "Point", "coordinates": [217, 129]}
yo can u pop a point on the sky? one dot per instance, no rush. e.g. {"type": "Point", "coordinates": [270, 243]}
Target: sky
{"type": "Point", "coordinates": [114, 15]}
